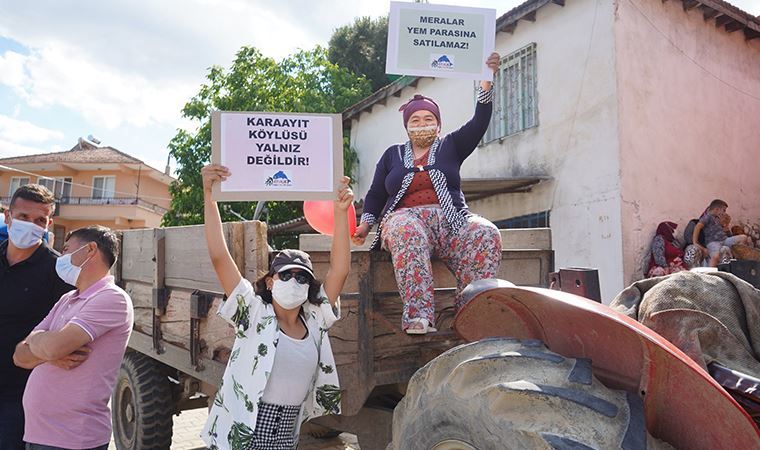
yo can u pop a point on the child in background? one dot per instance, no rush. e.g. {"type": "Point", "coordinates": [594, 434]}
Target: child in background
{"type": "Point", "coordinates": [715, 234]}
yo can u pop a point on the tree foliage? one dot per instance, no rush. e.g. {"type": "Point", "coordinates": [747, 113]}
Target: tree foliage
{"type": "Point", "coordinates": [361, 48]}
{"type": "Point", "coordinates": [303, 82]}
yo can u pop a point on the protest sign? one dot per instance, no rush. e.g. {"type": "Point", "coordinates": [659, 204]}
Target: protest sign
{"type": "Point", "coordinates": [277, 156]}
{"type": "Point", "coordinates": [440, 41]}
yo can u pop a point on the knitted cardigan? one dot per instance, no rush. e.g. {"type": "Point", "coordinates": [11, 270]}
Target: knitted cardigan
{"type": "Point", "coordinates": [395, 171]}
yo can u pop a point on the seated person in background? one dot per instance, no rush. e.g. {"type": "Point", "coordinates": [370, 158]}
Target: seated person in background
{"type": "Point", "coordinates": [666, 254]}
{"type": "Point", "coordinates": [725, 221]}
{"type": "Point", "coordinates": [715, 235]}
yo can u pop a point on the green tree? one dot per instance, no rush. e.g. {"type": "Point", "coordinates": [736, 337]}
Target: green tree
{"type": "Point", "coordinates": [361, 47]}
{"type": "Point", "coordinates": [303, 82]}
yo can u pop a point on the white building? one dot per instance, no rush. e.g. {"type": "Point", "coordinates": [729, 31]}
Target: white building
{"type": "Point", "coordinates": [611, 117]}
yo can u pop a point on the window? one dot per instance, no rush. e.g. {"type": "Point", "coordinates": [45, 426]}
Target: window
{"type": "Point", "coordinates": [537, 220]}
{"type": "Point", "coordinates": [103, 187]}
{"type": "Point", "coordinates": [515, 100]}
{"type": "Point", "coordinates": [17, 182]}
{"type": "Point", "coordinates": [59, 186]}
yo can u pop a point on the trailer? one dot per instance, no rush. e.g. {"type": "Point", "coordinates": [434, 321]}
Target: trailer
{"type": "Point", "coordinates": [179, 347]}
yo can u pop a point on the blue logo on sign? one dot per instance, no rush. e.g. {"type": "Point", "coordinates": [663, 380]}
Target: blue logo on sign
{"type": "Point", "coordinates": [278, 179]}
{"type": "Point", "coordinates": [442, 62]}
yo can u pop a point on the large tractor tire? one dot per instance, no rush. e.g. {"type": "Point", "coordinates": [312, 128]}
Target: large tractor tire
{"type": "Point", "coordinates": [142, 406]}
{"type": "Point", "coordinates": [510, 394]}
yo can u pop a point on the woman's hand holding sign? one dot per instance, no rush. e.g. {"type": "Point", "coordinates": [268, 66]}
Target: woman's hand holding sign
{"type": "Point", "coordinates": [493, 63]}
{"type": "Point", "coordinates": [213, 173]}
{"type": "Point", "coordinates": [345, 195]}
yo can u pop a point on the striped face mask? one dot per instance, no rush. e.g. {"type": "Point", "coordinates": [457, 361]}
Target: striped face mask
{"type": "Point", "coordinates": [423, 136]}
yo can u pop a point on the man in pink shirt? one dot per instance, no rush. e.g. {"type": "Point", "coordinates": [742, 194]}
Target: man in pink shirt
{"type": "Point", "coordinates": [68, 408]}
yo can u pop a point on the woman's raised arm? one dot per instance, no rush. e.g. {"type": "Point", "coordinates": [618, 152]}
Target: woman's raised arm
{"type": "Point", "coordinates": [226, 270]}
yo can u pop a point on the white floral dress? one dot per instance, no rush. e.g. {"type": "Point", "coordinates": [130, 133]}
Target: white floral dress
{"type": "Point", "coordinates": [232, 418]}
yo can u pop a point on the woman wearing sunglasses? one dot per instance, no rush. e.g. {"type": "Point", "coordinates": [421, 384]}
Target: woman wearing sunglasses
{"type": "Point", "coordinates": [281, 371]}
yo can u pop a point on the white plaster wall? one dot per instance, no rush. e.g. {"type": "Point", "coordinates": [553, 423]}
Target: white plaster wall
{"type": "Point", "coordinates": [689, 113]}
{"type": "Point", "coordinates": [575, 142]}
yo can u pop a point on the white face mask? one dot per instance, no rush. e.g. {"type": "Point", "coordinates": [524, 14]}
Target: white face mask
{"type": "Point", "coordinates": [290, 294]}
{"type": "Point", "coordinates": [66, 270]}
{"type": "Point", "coordinates": [25, 234]}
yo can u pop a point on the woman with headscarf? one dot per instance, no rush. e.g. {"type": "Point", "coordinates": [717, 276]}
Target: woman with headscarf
{"type": "Point", "coordinates": [416, 198]}
{"type": "Point", "coordinates": [666, 256]}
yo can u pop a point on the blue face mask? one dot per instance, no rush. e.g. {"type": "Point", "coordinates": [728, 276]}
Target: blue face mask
{"type": "Point", "coordinates": [66, 270]}
{"type": "Point", "coordinates": [23, 234]}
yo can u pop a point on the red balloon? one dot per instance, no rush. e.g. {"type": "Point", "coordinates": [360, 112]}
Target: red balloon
{"type": "Point", "coordinates": [320, 215]}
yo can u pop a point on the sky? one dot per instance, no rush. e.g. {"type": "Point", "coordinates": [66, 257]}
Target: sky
{"type": "Point", "coordinates": [122, 70]}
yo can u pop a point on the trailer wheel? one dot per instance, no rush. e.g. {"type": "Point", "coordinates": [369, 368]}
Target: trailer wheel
{"type": "Point", "coordinates": [142, 405]}
{"type": "Point", "coordinates": [506, 393]}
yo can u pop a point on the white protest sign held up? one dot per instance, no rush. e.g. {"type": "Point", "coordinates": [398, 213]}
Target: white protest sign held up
{"type": "Point", "coordinates": [440, 41]}
{"type": "Point", "coordinates": [277, 156]}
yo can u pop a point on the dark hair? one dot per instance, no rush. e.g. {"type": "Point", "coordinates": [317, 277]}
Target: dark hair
{"type": "Point", "coordinates": [260, 288]}
{"type": "Point", "coordinates": [103, 237]}
{"type": "Point", "coordinates": [34, 193]}
{"type": "Point", "coordinates": [717, 203]}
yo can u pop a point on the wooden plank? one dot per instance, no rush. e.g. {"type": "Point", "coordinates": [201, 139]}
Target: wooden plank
{"type": "Point", "coordinates": [722, 20]}
{"type": "Point", "coordinates": [365, 332]}
{"type": "Point", "coordinates": [344, 339]}
{"type": "Point", "coordinates": [388, 310]}
{"type": "Point", "coordinates": [237, 245]}
{"type": "Point", "coordinates": [159, 294]}
{"type": "Point", "coordinates": [158, 265]}
{"type": "Point", "coordinates": [708, 13]}
{"type": "Point", "coordinates": [321, 264]}
{"type": "Point", "coordinates": [734, 26]}
{"type": "Point", "coordinates": [217, 335]}
{"type": "Point", "coordinates": [116, 270]}
{"type": "Point", "coordinates": [403, 353]}
{"type": "Point", "coordinates": [521, 267]}
{"type": "Point", "coordinates": [178, 358]}
{"type": "Point", "coordinates": [137, 246]}
{"type": "Point", "coordinates": [256, 250]}
{"type": "Point", "coordinates": [511, 239]}
{"type": "Point", "coordinates": [344, 334]}
{"type": "Point", "coordinates": [509, 28]}
{"type": "Point", "coordinates": [727, 10]}
{"type": "Point", "coordinates": [188, 264]}
{"type": "Point", "coordinates": [519, 12]}
{"type": "Point", "coordinates": [175, 324]}
{"type": "Point", "coordinates": [688, 5]}
{"type": "Point", "coordinates": [142, 302]}
{"type": "Point", "coordinates": [526, 239]}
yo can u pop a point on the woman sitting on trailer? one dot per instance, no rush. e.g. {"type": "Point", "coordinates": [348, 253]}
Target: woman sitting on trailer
{"type": "Point", "coordinates": [416, 198]}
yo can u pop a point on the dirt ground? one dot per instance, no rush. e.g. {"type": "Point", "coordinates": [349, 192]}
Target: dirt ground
{"type": "Point", "coordinates": [188, 425]}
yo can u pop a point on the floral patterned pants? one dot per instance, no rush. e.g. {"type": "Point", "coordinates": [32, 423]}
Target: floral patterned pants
{"type": "Point", "coordinates": [414, 235]}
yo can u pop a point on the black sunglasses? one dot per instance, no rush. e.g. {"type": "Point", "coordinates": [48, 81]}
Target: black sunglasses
{"type": "Point", "coordinates": [301, 277]}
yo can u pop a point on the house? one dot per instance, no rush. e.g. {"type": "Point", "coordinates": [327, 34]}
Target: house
{"type": "Point", "coordinates": [93, 185]}
{"type": "Point", "coordinates": [611, 116]}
